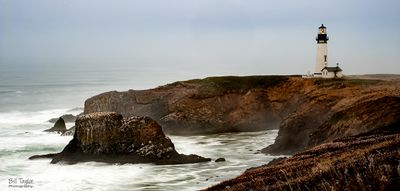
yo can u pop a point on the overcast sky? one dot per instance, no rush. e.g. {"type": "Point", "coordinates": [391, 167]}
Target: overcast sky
{"type": "Point", "coordinates": [201, 37]}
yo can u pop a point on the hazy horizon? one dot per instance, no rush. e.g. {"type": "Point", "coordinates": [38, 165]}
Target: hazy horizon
{"type": "Point", "coordinates": [200, 37]}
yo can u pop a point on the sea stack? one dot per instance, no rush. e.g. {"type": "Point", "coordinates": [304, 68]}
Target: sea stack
{"type": "Point", "coordinates": [59, 126]}
{"type": "Point", "coordinates": [108, 137]}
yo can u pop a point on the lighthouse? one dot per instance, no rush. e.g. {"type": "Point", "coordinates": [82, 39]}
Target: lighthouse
{"type": "Point", "coordinates": [322, 70]}
{"type": "Point", "coordinates": [322, 51]}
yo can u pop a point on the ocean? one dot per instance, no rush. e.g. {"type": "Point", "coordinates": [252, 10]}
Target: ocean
{"type": "Point", "coordinates": [31, 95]}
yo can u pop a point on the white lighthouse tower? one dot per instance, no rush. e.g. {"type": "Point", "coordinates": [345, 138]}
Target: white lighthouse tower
{"type": "Point", "coordinates": [322, 51]}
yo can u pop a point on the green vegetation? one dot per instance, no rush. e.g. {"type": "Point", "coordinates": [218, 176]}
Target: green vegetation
{"type": "Point", "coordinates": [344, 82]}
{"type": "Point", "coordinates": [215, 86]}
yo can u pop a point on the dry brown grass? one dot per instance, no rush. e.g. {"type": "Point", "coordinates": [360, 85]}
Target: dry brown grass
{"type": "Point", "coordinates": [369, 162]}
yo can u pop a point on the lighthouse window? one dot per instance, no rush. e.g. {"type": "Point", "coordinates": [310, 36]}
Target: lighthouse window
{"type": "Point", "coordinates": [325, 58]}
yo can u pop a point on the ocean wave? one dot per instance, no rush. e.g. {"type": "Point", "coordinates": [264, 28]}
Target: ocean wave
{"type": "Point", "coordinates": [76, 109]}
{"type": "Point", "coordinates": [10, 92]}
{"type": "Point", "coordinates": [34, 117]}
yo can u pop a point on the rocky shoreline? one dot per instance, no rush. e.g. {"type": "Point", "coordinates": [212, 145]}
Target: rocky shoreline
{"type": "Point", "coordinates": [356, 118]}
{"type": "Point", "coordinates": [365, 162]}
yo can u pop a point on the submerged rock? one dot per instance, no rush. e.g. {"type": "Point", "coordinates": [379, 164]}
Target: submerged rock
{"type": "Point", "coordinates": [59, 126]}
{"type": "Point", "coordinates": [51, 155]}
{"type": "Point", "coordinates": [108, 137]}
{"type": "Point", "coordinates": [220, 160]}
{"type": "Point", "coordinates": [68, 118]}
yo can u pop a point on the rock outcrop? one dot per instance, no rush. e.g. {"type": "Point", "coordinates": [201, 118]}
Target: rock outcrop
{"type": "Point", "coordinates": [364, 162]}
{"type": "Point", "coordinates": [220, 160]}
{"type": "Point", "coordinates": [59, 127]}
{"type": "Point", "coordinates": [108, 137]}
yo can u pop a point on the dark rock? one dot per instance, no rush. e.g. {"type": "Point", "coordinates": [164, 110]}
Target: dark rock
{"type": "Point", "coordinates": [69, 132]}
{"type": "Point", "coordinates": [108, 137]}
{"type": "Point", "coordinates": [47, 156]}
{"type": "Point", "coordinates": [68, 118]}
{"type": "Point", "coordinates": [59, 126]}
{"type": "Point", "coordinates": [220, 160]}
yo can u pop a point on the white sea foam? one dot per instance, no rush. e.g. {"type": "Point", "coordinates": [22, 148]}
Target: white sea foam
{"type": "Point", "coordinates": [30, 117]}
{"type": "Point", "coordinates": [238, 149]}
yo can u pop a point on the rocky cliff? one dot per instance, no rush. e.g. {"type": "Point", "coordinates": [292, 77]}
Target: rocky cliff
{"type": "Point", "coordinates": [308, 112]}
{"type": "Point", "coordinates": [108, 137]}
{"type": "Point", "coordinates": [364, 162]}
{"type": "Point", "coordinates": [331, 109]}
{"type": "Point", "coordinates": [211, 105]}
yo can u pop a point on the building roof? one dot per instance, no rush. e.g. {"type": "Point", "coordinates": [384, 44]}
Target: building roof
{"type": "Point", "coordinates": [322, 27]}
{"type": "Point", "coordinates": [332, 69]}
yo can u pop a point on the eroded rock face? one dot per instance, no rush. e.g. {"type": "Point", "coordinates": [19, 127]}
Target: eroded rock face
{"type": "Point", "coordinates": [332, 109]}
{"type": "Point", "coordinates": [211, 105]}
{"type": "Point", "coordinates": [99, 133]}
{"type": "Point", "coordinates": [363, 117]}
{"type": "Point", "coordinates": [59, 127]}
{"type": "Point", "coordinates": [108, 137]}
{"type": "Point", "coordinates": [110, 133]}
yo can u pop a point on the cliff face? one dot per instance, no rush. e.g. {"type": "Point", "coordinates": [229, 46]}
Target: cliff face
{"type": "Point", "coordinates": [211, 105]}
{"type": "Point", "coordinates": [364, 162]}
{"type": "Point", "coordinates": [307, 111]}
{"type": "Point", "coordinates": [363, 117]}
{"type": "Point", "coordinates": [338, 108]}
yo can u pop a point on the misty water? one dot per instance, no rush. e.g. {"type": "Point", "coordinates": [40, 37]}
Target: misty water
{"type": "Point", "coordinates": [28, 98]}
